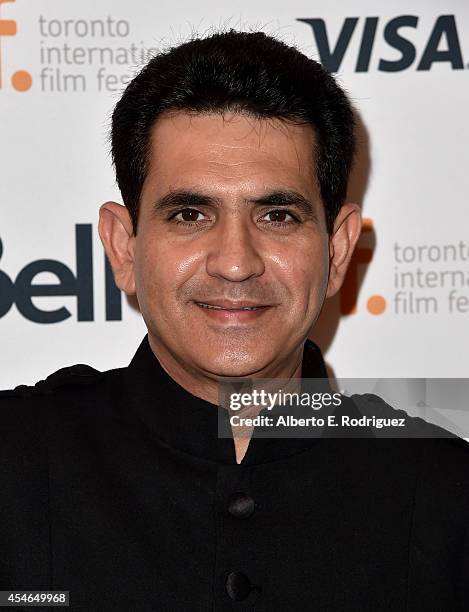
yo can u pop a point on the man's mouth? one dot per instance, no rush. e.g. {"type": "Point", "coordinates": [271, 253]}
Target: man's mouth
{"type": "Point", "coordinates": [236, 308]}
{"type": "Point", "coordinates": [230, 312]}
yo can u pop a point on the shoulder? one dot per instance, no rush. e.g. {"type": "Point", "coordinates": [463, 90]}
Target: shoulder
{"type": "Point", "coordinates": [68, 400]}
{"type": "Point", "coordinates": [442, 455]}
{"type": "Point", "coordinates": [378, 410]}
{"type": "Point", "coordinates": [79, 374]}
{"type": "Point", "coordinates": [72, 383]}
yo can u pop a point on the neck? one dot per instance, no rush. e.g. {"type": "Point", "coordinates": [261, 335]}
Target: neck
{"type": "Point", "coordinates": [205, 385]}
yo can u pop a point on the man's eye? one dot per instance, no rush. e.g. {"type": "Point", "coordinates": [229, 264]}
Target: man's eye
{"type": "Point", "coordinates": [278, 217]}
{"type": "Point", "coordinates": [190, 216]}
{"type": "Point", "coordinates": [186, 216]}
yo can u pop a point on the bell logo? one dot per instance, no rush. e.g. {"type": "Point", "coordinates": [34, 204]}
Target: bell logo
{"type": "Point", "coordinates": [22, 290]}
{"type": "Point", "coordinates": [21, 80]}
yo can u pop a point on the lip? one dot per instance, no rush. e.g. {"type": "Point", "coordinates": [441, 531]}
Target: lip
{"type": "Point", "coordinates": [232, 305]}
{"type": "Point", "coordinates": [227, 313]}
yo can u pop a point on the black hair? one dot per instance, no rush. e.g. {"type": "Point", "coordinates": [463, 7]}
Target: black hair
{"type": "Point", "coordinates": [246, 72]}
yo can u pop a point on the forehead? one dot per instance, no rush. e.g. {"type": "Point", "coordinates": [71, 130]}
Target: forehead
{"type": "Point", "coordinates": [232, 147]}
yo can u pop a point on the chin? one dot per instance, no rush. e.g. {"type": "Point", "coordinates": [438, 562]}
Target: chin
{"type": "Point", "coordinates": [234, 364]}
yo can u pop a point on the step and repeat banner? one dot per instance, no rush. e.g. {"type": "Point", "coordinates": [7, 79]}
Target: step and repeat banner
{"type": "Point", "coordinates": [404, 308]}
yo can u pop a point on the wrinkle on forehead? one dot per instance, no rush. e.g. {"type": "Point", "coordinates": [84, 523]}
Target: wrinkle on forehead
{"type": "Point", "coordinates": [240, 126]}
{"type": "Point", "coordinates": [182, 119]}
{"type": "Point", "coordinates": [232, 143]}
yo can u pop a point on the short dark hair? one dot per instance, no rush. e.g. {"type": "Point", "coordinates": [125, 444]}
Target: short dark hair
{"type": "Point", "coordinates": [245, 72]}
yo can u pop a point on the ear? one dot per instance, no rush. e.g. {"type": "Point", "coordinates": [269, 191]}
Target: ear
{"type": "Point", "coordinates": [116, 233]}
{"type": "Point", "coordinates": [347, 228]}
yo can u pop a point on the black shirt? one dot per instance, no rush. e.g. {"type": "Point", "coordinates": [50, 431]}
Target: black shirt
{"type": "Point", "coordinates": [116, 487]}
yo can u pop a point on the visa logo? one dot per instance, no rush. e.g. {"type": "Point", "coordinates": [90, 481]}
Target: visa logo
{"type": "Point", "coordinates": [396, 35]}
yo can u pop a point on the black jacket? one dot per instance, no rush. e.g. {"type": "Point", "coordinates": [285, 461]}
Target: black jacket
{"type": "Point", "coordinates": [116, 487]}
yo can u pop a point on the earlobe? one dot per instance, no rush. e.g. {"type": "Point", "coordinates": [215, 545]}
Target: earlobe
{"type": "Point", "coordinates": [116, 233]}
{"type": "Point", "coordinates": [347, 228]}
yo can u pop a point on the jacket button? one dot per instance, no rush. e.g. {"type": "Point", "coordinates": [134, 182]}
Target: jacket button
{"type": "Point", "coordinates": [241, 505]}
{"type": "Point", "coordinates": [238, 586]}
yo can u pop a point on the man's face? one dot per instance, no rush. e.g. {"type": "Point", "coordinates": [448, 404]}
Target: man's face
{"type": "Point", "coordinates": [230, 216]}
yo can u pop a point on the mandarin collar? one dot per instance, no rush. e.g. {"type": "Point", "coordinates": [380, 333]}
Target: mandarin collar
{"type": "Point", "coordinates": [190, 424]}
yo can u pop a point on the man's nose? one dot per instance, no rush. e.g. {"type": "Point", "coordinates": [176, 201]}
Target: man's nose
{"type": "Point", "coordinates": [233, 254]}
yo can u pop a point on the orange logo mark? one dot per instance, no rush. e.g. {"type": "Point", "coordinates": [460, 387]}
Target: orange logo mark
{"type": "Point", "coordinates": [21, 79]}
{"type": "Point", "coordinates": [376, 304]}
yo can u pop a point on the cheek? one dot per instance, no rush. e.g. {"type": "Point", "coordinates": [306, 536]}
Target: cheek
{"type": "Point", "coordinates": [163, 270]}
{"type": "Point", "coordinates": [303, 269]}
{"type": "Point", "coordinates": [151, 266]}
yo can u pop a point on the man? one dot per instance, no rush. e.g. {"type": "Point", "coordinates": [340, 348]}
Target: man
{"type": "Point", "coordinates": [232, 154]}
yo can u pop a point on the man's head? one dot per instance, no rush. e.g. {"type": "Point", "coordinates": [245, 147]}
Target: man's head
{"type": "Point", "coordinates": [232, 154]}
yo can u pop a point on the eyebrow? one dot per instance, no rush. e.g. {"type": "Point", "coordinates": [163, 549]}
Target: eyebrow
{"type": "Point", "coordinates": [278, 197]}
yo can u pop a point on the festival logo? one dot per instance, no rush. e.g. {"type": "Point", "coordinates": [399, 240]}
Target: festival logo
{"type": "Point", "coordinates": [362, 256]}
{"type": "Point", "coordinates": [21, 80]}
